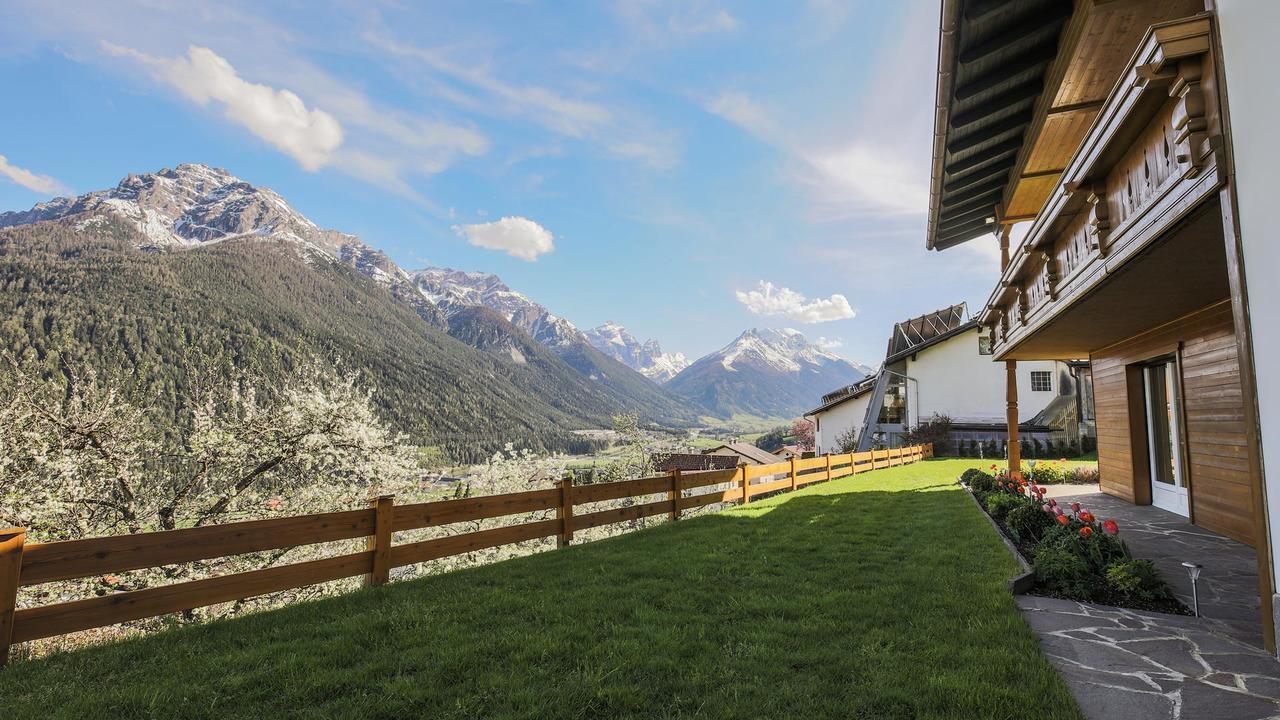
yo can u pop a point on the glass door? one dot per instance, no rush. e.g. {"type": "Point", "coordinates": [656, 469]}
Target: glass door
{"type": "Point", "coordinates": [1164, 436]}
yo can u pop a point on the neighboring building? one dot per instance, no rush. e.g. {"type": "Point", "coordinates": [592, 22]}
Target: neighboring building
{"type": "Point", "coordinates": [790, 451]}
{"type": "Point", "coordinates": [934, 366]}
{"type": "Point", "coordinates": [689, 462]}
{"type": "Point", "coordinates": [1151, 232]}
{"type": "Point", "coordinates": [745, 452]}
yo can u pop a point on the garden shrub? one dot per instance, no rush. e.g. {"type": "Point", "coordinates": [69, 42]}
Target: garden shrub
{"type": "Point", "coordinates": [1084, 475]}
{"type": "Point", "coordinates": [1062, 572]}
{"type": "Point", "coordinates": [1048, 473]}
{"type": "Point", "coordinates": [1000, 504]}
{"type": "Point", "coordinates": [1029, 522]}
{"type": "Point", "coordinates": [1137, 580]}
{"type": "Point", "coordinates": [978, 481]}
{"type": "Point", "coordinates": [936, 430]}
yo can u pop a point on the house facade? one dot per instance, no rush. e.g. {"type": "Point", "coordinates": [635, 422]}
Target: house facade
{"type": "Point", "coordinates": [934, 366]}
{"type": "Point", "coordinates": [1114, 136]}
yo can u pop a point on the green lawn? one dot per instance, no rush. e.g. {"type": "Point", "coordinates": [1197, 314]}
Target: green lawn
{"type": "Point", "coordinates": [877, 596]}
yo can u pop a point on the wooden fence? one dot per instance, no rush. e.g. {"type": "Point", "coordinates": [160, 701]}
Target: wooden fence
{"type": "Point", "coordinates": [23, 564]}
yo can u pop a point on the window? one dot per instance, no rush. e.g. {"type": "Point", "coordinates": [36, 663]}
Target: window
{"type": "Point", "coordinates": [1041, 381]}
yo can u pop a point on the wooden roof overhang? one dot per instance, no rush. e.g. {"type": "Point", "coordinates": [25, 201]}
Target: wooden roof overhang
{"type": "Point", "coordinates": [1020, 82]}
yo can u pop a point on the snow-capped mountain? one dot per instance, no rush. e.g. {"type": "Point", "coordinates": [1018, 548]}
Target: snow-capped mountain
{"type": "Point", "coordinates": [194, 205]}
{"type": "Point", "coordinates": [769, 373]}
{"type": "Point", "coordinates": [454, 290]}
{"type": "Point", "coordinates": [646, 358]}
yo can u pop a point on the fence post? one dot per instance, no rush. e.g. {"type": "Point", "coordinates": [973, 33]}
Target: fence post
{"type": "Point", "coordinates": [11, 542]}
{"type": "Point", "coordinates": [565, 513]}
{"type": "Point", "coordinates": [674, 494]}
{"type": "Point", "coordinates": [380, 541]}
{"type": "Point", "coordinates": [793, 473]}
{"type": "Point", "coordinates": [746, 483]}
{"type": "Point", "coordinates": [828, 457]}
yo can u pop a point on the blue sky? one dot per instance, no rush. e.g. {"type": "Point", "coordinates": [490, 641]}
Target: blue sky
{"type": "Point", "coordinates": [687, 169]}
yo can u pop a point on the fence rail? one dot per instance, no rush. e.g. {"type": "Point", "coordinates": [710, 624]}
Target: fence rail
{"type": "Point", "coordinates": [23, 564]}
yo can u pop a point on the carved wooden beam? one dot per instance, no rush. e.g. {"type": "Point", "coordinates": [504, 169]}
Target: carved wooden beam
{"type": "Point", "coordinates": [1190, 126]}
{"type": "Point", "coordinates": [1051, 276]}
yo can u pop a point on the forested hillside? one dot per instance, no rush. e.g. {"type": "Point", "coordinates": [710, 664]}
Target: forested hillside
{"type": "Point", "coordinates": [87, 296]}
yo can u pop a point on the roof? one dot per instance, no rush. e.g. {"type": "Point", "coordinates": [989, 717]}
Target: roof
{"type": "Point", "coordinates": [748, 451]}
{"type": "Point", "coordinates": [992, 59]}
{"type": "Point", "coordinates": [845, 394]}
{"type": "Point", "coordinates": [911, 336]}
{"type": "Point", "coordinates": [693, 461]}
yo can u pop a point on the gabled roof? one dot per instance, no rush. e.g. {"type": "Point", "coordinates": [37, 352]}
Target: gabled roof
{"type": "Point", "coordinates": [748, 451]}
{"type": "Point", "coordinates": [692, 462]}
{"type": "Point", "coordinates": [912, 335]}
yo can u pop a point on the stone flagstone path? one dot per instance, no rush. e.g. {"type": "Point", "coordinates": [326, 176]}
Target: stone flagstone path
{"type": "Point", "coordinates": [1139, 666]}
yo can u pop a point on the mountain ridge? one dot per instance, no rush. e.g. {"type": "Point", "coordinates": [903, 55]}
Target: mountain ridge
{"type": "Point", "coordinates": [647, 358]}
{"type": "Point", "coordinates": [764, 372]}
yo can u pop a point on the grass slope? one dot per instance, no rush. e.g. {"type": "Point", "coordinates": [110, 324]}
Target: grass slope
{"type": "Point", "coordinates": [878, 596]}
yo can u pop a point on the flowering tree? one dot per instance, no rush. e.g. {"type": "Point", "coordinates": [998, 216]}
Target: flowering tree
{"type": "Point", "coordinates": [79, 458]}
{"type": "Point", "coordinates": [802, 431]}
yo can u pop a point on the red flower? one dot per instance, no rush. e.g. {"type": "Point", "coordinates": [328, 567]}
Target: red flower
{"type": "Point", "coordinates": [1075, 507]}
{"type": "Point", "coordinates": [1086, 516]}
{"type": "Point", "coordinates": [1053, 502]}
{"type": "Point", "coordinates": [1062, 520]}
{"type": "Point", "coordinates": [993, 466]}
{"type": "Point", "coordinates": [1110, 527]}
{"type": "Point", "coordinates": [1086, 531]}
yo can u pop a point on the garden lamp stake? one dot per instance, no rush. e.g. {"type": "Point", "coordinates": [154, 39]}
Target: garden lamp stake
{"type": "Point", "coordinates": [1194, 571]}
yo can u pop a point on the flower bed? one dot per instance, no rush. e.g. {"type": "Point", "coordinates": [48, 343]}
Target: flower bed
{"type": "Point", "coordinates": [1075, 554]}
{"type": "Point", "coordinates": [1057, 472]}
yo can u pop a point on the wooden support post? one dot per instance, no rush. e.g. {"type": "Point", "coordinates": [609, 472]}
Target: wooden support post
{"type": "Point", "coordinates": [793, 473]}
{"type": "Point", "coordinates": [828, 457]}
{"type": "Point", "coordinates": [11, 542]}
{"type": "Point", "coordinates": [674, 495]}
{"type": "Point", "coordinates": [565, 513]}
{"type": "Point", "coordinates": [1011, 417]}
{"type": "Point", "coordinates": [380, 541]}
{"type": "Point", "coordinates": [745, 480]}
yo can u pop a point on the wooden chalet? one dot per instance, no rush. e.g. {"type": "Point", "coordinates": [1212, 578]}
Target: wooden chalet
{"type": "Point", "coordinates": [1102, 129]}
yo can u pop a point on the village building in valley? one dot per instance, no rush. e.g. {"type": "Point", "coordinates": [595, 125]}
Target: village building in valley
{"type": "Point", "coordinates": [939, 365]}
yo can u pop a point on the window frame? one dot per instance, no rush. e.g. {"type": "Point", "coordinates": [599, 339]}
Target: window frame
{"type": "Point", "coordinates": [1046, 375]}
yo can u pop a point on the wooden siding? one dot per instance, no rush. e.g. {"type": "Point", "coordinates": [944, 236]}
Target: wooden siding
{"type": "Point", "coordinates": [1217, 460]}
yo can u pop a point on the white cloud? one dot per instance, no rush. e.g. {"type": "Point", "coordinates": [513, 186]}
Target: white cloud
{"type": "Point", "coordinates": [769, 300]}
{"type": "Point", "coordinates": [516, 236]}
{"type": "Point", "coordinates": [568, 116]}
{"type": "Point", "coordinates": [278, 116]}
{"type": "Point", "coordinates": [695, 21]}
{"type": "Point", "coordinates": [866, 176]}
{"type": "Point", "coordinates": [36, 183]}
{"type": "Point", "coordinates": [829, 343]}
{"type": "Point", "coordinates": [740, 109]}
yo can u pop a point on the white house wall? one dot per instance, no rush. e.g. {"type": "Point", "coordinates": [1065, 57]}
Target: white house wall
{"type": "Point", "coordinates": [952, 379]}
{"type": "Point", "coordinates": [836, 421]}
{"type": "Point", "coordinates": [1248, 48]}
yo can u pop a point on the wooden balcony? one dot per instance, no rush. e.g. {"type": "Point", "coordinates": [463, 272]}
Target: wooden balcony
{"type": "Point", "coordinates": [1150, 163]}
